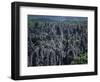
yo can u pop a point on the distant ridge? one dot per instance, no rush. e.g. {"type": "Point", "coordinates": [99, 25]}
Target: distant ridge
{"type": "Point", "coordinates": [45, 18]}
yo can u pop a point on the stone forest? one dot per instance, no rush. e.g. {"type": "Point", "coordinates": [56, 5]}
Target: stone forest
{"type": "Point", "coordinates": [57, 40]}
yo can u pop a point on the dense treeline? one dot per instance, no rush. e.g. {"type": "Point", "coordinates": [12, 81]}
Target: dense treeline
{"type": "Point", "coordinates": [57, 43]}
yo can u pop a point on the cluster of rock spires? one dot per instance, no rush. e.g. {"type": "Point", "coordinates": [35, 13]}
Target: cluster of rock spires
{"type": "Point", "coordinates": [56, 43]}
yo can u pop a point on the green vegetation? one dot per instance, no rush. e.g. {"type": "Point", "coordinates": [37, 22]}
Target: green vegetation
{"type": "Point", "coordinates": [82, 59]}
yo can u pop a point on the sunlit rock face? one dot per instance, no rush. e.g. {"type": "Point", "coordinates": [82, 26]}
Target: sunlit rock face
{"type": "Point", "coordinates": [56, 40]}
